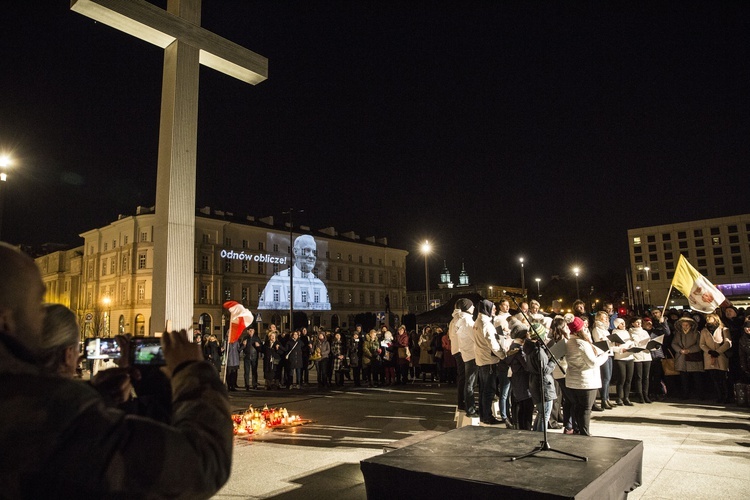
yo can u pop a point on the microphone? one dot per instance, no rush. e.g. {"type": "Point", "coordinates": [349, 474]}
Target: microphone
{"type": "Point", "coordinates": [510, 294]}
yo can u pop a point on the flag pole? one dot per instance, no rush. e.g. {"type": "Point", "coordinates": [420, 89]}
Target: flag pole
{"type": "Point", "coordinates": [667, 299]}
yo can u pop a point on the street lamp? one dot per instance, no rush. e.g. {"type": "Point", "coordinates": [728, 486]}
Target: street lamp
{"type": "Point", "coordinates": [538, 293]}
{"type": "Point", "coordinates": [107, 302]}
{"type": "Point", "coordinates": [523, 278]}
{"type": "Point", "coordinates": [648, 292]}
{"type": "Point", "coordinates": [578, 293]}
{"type": "Point", "coordinates": [4, 164]}
{"type": "Point", "coordinates": [426, 251]}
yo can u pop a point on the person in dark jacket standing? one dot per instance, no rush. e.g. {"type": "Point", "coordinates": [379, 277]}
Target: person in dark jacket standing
{"type": "Point", "coordinates": [250, 345]}
{"type": "Point", "coordinates": [272, 354]}
{"type": "Point", "coordinates": [294, 358]}
{"type": "Point", "coordinates": [523, 406]}
{"type": "Point", "coordinates": [355, 357]}
{"type": "Point", "coordinates": [540, 366]}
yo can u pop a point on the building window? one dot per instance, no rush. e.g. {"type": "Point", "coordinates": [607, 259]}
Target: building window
{"type": "Point", "coordinates": [361, 298]}
{"type": "Point", "coordinates": [668, 256]}
{"type": "Point", "coordinates": [702, 262]}
{"type": "Point", "coordinates": [666, 237]}
{"type": "Point", "coordinates": [717, 250]}
{"type": "Point", "coordinates": [736, 259]}
{"type": "Point", "coordinates": [144, 236]}
{"type": "Point", "coordinates": [338, 274]}
{"type": "Point", "coordinates": [714, 231]}
{"type": "Point", "coordinates": [636, 240]}
{"type": "Point", "coordinates": [720, 271]}
{"type": "Point", "coordinates": [716, 240]}
{"type": "Point", "coordinates": [380, 277]}
{"type": "Point", "coordinates": [206, 238]}
{"type": "Point", "coordinates": [360, 259]}
{"type": "Point", "coordinates": [104, 267]}
{"type": "Point", "coordinates": [261, 268]}
{"type": "Point", "coordinates": [372, 298]}
{"type": "Point", "coordinates": [372, 276]}
{"type": "Point", "coordinates": [227, 265]}
{"type": "Point", "coordinates": [275, 247]}
{"type": "Point", "coordinates": [303, 294]}
{"type": "Point", "coordinates": [141, 291]}
{"type": "Point", "coordinates": [141, 261]}
{"type": "Point", "coordinates": [737, 270]}
{"type": "Point", "coordinates": [361, 275]}
{"type": "Point", "coordinates": [639, 258]}
{"type": "Point", "coordinates": [637, 250]}
{"type": "Point", "coordinates": [204, 262]}
{"type": "Point", "coordinates": [681, 235]}
{"type": "Point", "coordinates": [735, 249]}
{"type": "Point", "coordinates": [667, 246]}
{"type": "Point", "coordinates": [718, 261]}
{"type": "Point", "coordinates": [652, 257]}
{"type": "Point", "coordinates": [316, 296]}
{"type": "Point", "coordinates": [227, 292]}
{"type": "Point", "coordinates": [683, 245]}
{"type": "Point", "coordinates": [698, 233]}
{"type": "Point", "coordinates": [125, 263]}
{"type": "Point", "coordinates": [125, 240]}
{"type": "Point", "coordinates": [652, 248]}
{"type": "Point", "coordinates": [701, 252]}
{"type": "Point", "coordinates": [112, 266]}
{"type": "Point", "coordinates": [275, 269]}
{"type": "Point", "coordinates": [734, 239]}
{"type": "Point", "coordinates": [669, 265]}
{"type": "Point", "coordinates": [328, 274]}
{"type": "Point", "coordinates": [204, 294]}
{"type": "Point", "coordinates": [244, 243]}
{"type": "Point", "coordinates": [260, 245]}
{"type": "Point", "coordinates": [105, 247]}
{"type": "Point", "coordinates": [246, 266]}
{"type": "Point", "coordinates": [699, 243]}
{"type": "Point", "coordinates": [276, 295]}
{"type": "Point", "coordinates": [245, 294]}
{"type": "Point", "coordinates": [685, 254]}
{"type": "Point", "coordinates": [350, 257]}
{"type": "Point", "coordinates": [338, 256]}
{"type": "Point", "coordinates": [351, 275]}
{"type": "Point", "coordinates": [670, 275]}
{"type": "Point", "coordinates": [651, 238]}
{"type": "Point", "coordinates": [655, 276]}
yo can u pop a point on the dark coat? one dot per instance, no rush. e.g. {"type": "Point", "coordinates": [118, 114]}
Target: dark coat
{"type": "Point", "coordinates": [294, 354]}
{"type": "Point", "coordinates": [250, 346]}
{"type": "Point", "coordinates": [519, 382]}
{"type": "Point", "coordinates": [534, 354]}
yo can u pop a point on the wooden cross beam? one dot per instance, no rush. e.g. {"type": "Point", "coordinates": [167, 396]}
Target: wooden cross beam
{"type": "Point", "coordinates": [186, 45]}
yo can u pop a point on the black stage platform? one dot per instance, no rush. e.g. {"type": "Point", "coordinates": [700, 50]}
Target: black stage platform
{"type": "Point", "coordinates": [474, 462]}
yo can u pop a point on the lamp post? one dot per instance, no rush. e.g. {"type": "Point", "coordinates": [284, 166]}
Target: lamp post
{"type": "Point", "coordinates": [523, 279]}
{"type": "Point", "coordinates": [107, 303]}
{"type": "Point", "coordinates": [291, 268]}
{"type": "Point", "coordinates": [648, 292]}
{"type": "Point", "coordinates": [4, 164]}
{"type": "Point", "coordinates": [578, 293]}
{"type": "Point", "coordinates": [426, 251]}
{"type": "Point", "coordinates": [538, 293]}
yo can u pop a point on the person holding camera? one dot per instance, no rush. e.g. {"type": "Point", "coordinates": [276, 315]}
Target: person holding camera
{"type": "Point", "coordinates": [51, 426]}
{"type": "Point", "coordinates": [250, 345]}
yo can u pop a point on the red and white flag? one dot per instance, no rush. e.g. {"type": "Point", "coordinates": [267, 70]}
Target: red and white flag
{"type": "Point", "coordinates": [240, 318]}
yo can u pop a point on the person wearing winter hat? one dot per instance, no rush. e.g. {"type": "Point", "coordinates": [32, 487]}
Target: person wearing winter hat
{"type": "Point", "coordinates": [487, 355]}
{"type": "Point", "coordinates": [540, 367]}
{"type": "Point", "coordinates": [715, 341]}
{"type": "Point", "coordinates": [583, 377]}
{"type": "Point", "coordinates": [688, 359]}
{"type": "Point", "coordinates": [523, 406]}
{"type": "Point", "coordinates": [465, 340]}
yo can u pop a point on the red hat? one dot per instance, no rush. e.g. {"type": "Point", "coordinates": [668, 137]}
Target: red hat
{"type": "Point", "coordinates": [575, 324]}
{"type": "Point", "coordinates": [647, 320]}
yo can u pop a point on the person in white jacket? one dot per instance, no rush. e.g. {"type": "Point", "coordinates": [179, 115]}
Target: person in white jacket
{"type": "Point", "coordinates": [599, 333]}
{"type": "Point", "coordinates": [624, 362]}
{"type": "Point", "coordinates": [464, 334]}
{"type": "Point", "coordinates": [461, 311]}
{"type": "Point", "coordinates": [642, 360]}
{"type": "Point", "coordinates": [488, 353]}
{"type": "Point", "coordinates": [583, 378]}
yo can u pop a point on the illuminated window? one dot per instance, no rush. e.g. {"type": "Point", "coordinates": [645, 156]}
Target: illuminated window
{"type": "Point", "coordinates": [275, 269]}
{"type": "Point", "coordinates": [716, 240]}
{"type": "Point", "coordinates": [142, 261]}
{"type": "Point", "coordinates": [304, 295]}
{"type": "Point", "coordinates": [316, 296]}
{"type": "Point", "coordinates": [141, 291]}
{"type": "Point", "coordinates": [636, 240]}
{"type": "Point", "coordinates": [227, 293]}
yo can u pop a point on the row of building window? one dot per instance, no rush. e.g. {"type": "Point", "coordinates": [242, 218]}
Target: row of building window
{"type": "Point", "coordinates": [105, 246]}
{"type": "Point", "coordinates": [697, 233]}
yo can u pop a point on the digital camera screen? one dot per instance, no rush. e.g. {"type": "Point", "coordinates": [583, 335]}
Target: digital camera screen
{"type": "Point", "coordinates": [100, 348]}
{"type": "Point", "coordinates": [147, 352]}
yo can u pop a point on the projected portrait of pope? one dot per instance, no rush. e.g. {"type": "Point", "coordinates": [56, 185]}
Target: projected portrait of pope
{"type": "Point", "coordinates": [309, 291]}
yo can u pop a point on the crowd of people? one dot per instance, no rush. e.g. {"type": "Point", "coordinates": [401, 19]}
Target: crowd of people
{"type": "Point", "coordinates": [512, 356]}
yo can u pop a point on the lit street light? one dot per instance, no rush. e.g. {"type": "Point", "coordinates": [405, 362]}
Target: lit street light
{"type": "Point", "coordinates": [426, 251]}
{"type": "Point", "coordinates": [578, 293]}
{"type": "Point", "coordinates": [5, 162]}
{"type": "Point", "coordinates": [107, 303]}
{"type": "Point", "coordinates": [523, 278]}
{"type": "Point", "coordinates": [648, 292]}
{"type": "Point", "coordinates": [538, 293]}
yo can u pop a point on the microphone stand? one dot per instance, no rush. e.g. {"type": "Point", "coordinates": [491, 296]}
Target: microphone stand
{"type": "Point", "coordinates": [544, 444]}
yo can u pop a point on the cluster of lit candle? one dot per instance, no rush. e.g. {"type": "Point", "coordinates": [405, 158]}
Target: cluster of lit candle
{"type": "Point", "coordinates": [254, 421]}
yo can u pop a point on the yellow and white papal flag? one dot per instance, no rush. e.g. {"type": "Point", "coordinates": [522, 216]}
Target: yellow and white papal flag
{"type": "Point", "coordinates": [702, 295]}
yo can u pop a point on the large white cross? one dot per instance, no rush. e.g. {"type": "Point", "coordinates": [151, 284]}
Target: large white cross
{"type": "Point", "coordinates": [186, 45]}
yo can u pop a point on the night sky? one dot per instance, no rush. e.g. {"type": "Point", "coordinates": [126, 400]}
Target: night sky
{"type": "Point", "coordinates": [494, 130]}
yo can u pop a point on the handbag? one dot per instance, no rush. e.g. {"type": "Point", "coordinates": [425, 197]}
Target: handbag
{"type": "Point", "coordinates": [667, 365]}
{"type": "Point", "coordinates": [316, 356]}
